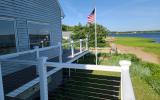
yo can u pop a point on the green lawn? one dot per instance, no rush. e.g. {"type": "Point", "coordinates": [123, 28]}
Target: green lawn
{"type": "Point", "coordinates": [145, 76]}
{"type": "Point", "coordinates": [143, 91]}
{"type": "Point", "coordinates": [148, 45]}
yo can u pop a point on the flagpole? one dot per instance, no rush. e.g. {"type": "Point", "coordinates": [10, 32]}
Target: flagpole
{"type": "Point", "coordinates": [96, 35]}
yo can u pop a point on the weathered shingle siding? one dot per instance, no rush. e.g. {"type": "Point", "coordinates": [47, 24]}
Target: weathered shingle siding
{"type": "Point", "coordinates": [44, 11]}
{"type": "Point", "coordinates": [39, 10]}
{"type": "Point", "coordinates": [47, 11]}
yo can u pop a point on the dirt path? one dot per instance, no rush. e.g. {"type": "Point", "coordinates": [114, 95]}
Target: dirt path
{"type": "Point", "coordinates": [145, 56]}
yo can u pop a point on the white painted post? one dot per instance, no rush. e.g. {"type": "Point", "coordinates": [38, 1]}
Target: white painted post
{"type": "Point", "coordinates": [72, 48]}
{"type": "Point", "coordinates": [42, 44]}
{"type": "Point", "coordinates": [60, 52]}
{"type": "Point", "coordinates": [43, 78]}
{"type": "Point", "coordinates": [127, 92]}
{"type": "Point", "coordinates": [80, 41]}
{"type": "Point", "coordinates": [69, 43]}
{"type": "Point", "coordinates": [86, 43]}
{"type": "Point", "coordinates": [1, 84]}
{"type": "Point", "coordinates": [72, 54]}
{"type": "Point", "coordinates": [37, 56]}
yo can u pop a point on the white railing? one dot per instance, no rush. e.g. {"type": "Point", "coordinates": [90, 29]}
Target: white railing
{"type": "Point", "coordinates": [126, 84]}
{"type": "Point", "coordinates": [37, 50]}
{"type": "Point", "coordinates": [72, 43]}
{"type": "Point", "coordinates": [7, 56]}
{"type": "Point", "coordinates": [127, 92]}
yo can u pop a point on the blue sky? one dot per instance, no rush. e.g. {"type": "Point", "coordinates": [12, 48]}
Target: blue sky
{"type": "Point", "coordinates": [116, 15]}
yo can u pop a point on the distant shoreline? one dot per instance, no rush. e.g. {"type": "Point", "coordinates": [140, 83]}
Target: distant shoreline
{"type": "Point", "coordinates": [135, 32]}
{"type": "Point", "coordinates": [155, 36]}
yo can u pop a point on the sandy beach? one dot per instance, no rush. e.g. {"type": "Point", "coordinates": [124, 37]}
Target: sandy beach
{"type": "Point", "coordinates": [145, 56]}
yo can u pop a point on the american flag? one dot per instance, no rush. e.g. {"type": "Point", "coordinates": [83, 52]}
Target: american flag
{"type": "Point", "coordinates": [91, 17]}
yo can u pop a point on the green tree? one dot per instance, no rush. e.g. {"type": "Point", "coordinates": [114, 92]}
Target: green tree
{"type": "Point", "coordinates": [67, 28]}
{"type": "Point", "coordinates": [64, 27]}
{"type": "Point", "coordinates": [81, 32]}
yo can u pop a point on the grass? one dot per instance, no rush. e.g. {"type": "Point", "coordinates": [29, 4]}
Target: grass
{"type": "Point", "coordinates": [148, 45]}
{"type": "Point", "coordinates": [145, 76]}
{"type": "Point", "coordinates": [143, 91]}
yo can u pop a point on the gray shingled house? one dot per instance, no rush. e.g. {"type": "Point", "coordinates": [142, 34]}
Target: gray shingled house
{"type": "Point", "coordinates": [23, 25]}
{"type": "Point", "coordinates": [25, 22]}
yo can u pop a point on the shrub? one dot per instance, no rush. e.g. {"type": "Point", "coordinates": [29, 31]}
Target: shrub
{"type": "Point", "coordinates": [138, 70]}
{"type": "Point", "coordinates": [154, 82]}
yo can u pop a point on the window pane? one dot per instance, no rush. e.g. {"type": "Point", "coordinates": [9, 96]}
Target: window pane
{"type": "Point", "coordinates": [39, 40]}
{"type": "Point", "coordinates": [39, 34]}
{"type": "Point", "coordinates": [7, 37]}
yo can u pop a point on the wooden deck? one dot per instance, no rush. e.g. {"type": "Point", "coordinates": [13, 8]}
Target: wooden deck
{"type": "Point", "coordinates": [18, 79]}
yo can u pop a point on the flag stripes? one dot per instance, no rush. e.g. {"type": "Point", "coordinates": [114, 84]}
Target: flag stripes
{"type": "Point", "coordinates": [91, 17]}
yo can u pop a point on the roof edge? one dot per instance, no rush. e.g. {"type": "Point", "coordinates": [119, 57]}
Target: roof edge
{"type": "Point", "coordinates": [62, 12]}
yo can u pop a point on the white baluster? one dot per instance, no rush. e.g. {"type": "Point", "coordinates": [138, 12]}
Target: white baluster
{"type": "Point", "coordinates": [60, 52]}
{"type": "Point", "coordinates": [86, 43]}
{"type": "Point", "coordinates": [42, 44]}
{"type": "Point", "coordinates": [72, 48]}
{"type": "Point", "coordinates": [37, 57]}
{"type": "Point", "coordinates": [80, 41]}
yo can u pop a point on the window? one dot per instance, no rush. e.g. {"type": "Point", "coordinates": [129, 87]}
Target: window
{"type": "Point", "coordinates": [7, 37]}
{"type": "Point", "coordinates": [39, 34]}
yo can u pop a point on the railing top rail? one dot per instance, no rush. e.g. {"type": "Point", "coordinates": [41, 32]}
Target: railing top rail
{"type": "Point", "coordinates": [28, 62]}
{"type": "Point", "coordinates": [7, 56]}
{"type": "Point", "coordinates": [47, 48]}
{"type": "Point", "coordinates": [74, 42]}
{"type": "Point", "coordinates": [84, 66]}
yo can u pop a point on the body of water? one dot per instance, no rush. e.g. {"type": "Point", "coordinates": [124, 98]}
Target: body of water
{"type": "Point", "coordinates": [155, 36]}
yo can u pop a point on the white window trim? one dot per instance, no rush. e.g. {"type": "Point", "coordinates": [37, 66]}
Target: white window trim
{"type": "Point", "coordinates": [39, 23]}
{"type": "Point", "coordinates": [15, 32]}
